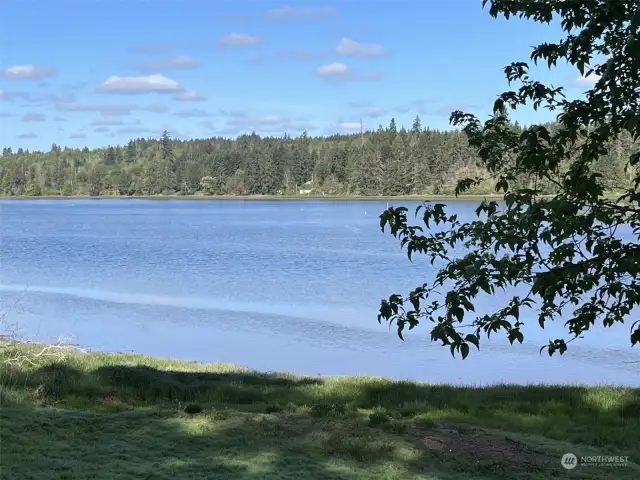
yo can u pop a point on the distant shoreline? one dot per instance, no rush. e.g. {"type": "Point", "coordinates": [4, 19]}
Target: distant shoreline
{"type": "Point", "coordinates": [255, 197]}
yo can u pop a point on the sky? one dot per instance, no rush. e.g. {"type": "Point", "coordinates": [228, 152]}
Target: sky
{"type": "Point", "coordinates": [97, 73]}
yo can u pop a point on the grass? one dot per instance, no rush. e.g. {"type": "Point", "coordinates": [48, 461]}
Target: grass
{"type": "Point", "coordinates": [116, 416]}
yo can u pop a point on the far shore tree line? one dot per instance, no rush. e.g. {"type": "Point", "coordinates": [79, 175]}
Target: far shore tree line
{"type": "Point", "coordinates": [389, 161]}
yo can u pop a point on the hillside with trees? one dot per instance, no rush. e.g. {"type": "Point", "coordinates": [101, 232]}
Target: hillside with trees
{"type": "Point", "coordinates": [389, 161]}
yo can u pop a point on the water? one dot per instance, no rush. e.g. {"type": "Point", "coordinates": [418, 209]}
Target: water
{"type": "Point", "coordinates": [285, 286]}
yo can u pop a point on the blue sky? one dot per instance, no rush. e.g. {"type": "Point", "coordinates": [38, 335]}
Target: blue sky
{"type": "Point", "coordinates": [97, 73]}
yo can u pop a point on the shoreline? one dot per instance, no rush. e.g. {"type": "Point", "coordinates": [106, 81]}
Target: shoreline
{"type": "Point", "coordinates": [256, 197]}
{"type": "Point", "coordinates": [73, 351]}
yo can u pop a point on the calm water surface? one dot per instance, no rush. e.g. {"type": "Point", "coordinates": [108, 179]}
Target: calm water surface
{"type": "Point", "coordinates": [288, 286]}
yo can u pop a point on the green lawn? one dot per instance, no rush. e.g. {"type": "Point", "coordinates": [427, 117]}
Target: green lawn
{"type": "Point", "coordinates": [99, 416]}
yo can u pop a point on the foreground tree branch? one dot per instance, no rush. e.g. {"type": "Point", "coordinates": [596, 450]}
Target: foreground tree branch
{"type": "Point", "coordinates": [579, 248]}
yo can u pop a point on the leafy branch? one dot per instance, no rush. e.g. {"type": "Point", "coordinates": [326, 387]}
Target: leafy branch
{"type": "Point", "coordinates": [567, 250]}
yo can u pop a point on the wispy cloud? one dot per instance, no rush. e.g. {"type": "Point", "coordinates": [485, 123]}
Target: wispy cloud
{"type": "Point", "coordinates": [180, 62]}
{"type": "Point", "coordinates": [190, 96]}
{"type": "Point", "coordinates": [77, 135]}
{"type": "Point", "coordinates": [155, 48]}
{"type": "Point", "coordinates": [287, 54]}
{"type": "Point", "coordinates": [27, 72]}
{"type": "Point", "coordinates": [34, 117]}
{"type": "Point", "coordinates": [107, 121]}
{"type": "Point", "coordinates": [351, 48]}
{"type": "Point", "coordinates": [157, 108]}
{"type": "Point", "coordinates": [10, 96]}
{"type": "Point", "coordinates": [101, 129]}
{"type": "Point", "coordinates": [339, 72]}
{"type": "Point", "coordinates": [272, 123]}
{"type": "Point", "coordinates": [155, 83]}
{"type": "Point", "coordinates": [27, 135]}
{"type": "Point", "coordinates": [374, 112]}
{"type": "Point", "coordinates": [137, 131]}
{"type": "Point", "coordinates": [239, 40]}
{"type": "Point", "coordinates": [104, 109]}
{"type": "Point", "coordinates": [420, 106]}
{"type": "Point", "coordinates": [192, 113]}
{"type": "Point", "coordinates": [232, 17]}
{"type": "Point", "coordinates": [53, 98]}
{"type": "Point", "coordinates": [301, 13]}
{"type": "Point", "coordinates": [111, 110]}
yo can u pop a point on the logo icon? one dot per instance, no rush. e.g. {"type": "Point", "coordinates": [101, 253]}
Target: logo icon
{"type": "Point", "coordinates": [569, 461]}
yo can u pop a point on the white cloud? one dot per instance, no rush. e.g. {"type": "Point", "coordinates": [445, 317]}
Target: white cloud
{"type": "Point", "coordinates": [339, 72]}
{"type": "Point", "coordinates": [180, 62]}
{"type": "Point", "coordinates": [27, 72]}
{"type": "Point", "coordinates": [190, 96]}
{"type": "Point", "coordinates": [154, 83]}
{"type": "Point", "coordinates": [239, 40]}
{"type": "Point", "coordinates": [588, 81]}
{"type": "Point", "coordinates": [301, 13]}
{"type": "Point", "coordinates": [352, 48]}
{"type": "Point", "coordinates": [350, 125]}
{"type": "Point", "coordinates": [334, 71]}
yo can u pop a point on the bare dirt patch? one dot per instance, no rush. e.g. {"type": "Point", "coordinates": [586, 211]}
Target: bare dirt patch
{"type": "Point", "coordinates": [475, 446]}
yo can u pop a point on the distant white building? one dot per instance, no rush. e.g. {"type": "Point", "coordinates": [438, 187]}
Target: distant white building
{"type": "Point", "coordinates": [305, 192]}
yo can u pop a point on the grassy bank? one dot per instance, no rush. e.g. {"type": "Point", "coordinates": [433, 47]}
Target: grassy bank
{"type": "Point", "coordinates": [100, 416]}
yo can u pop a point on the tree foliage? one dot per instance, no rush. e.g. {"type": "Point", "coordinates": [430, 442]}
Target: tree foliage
{"type": "Point", "coordinates": [563, 252]}
{"type": "Point", "coordinates": [562, 257]}
{"type": "Point", "coordinates": [389, 161]}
